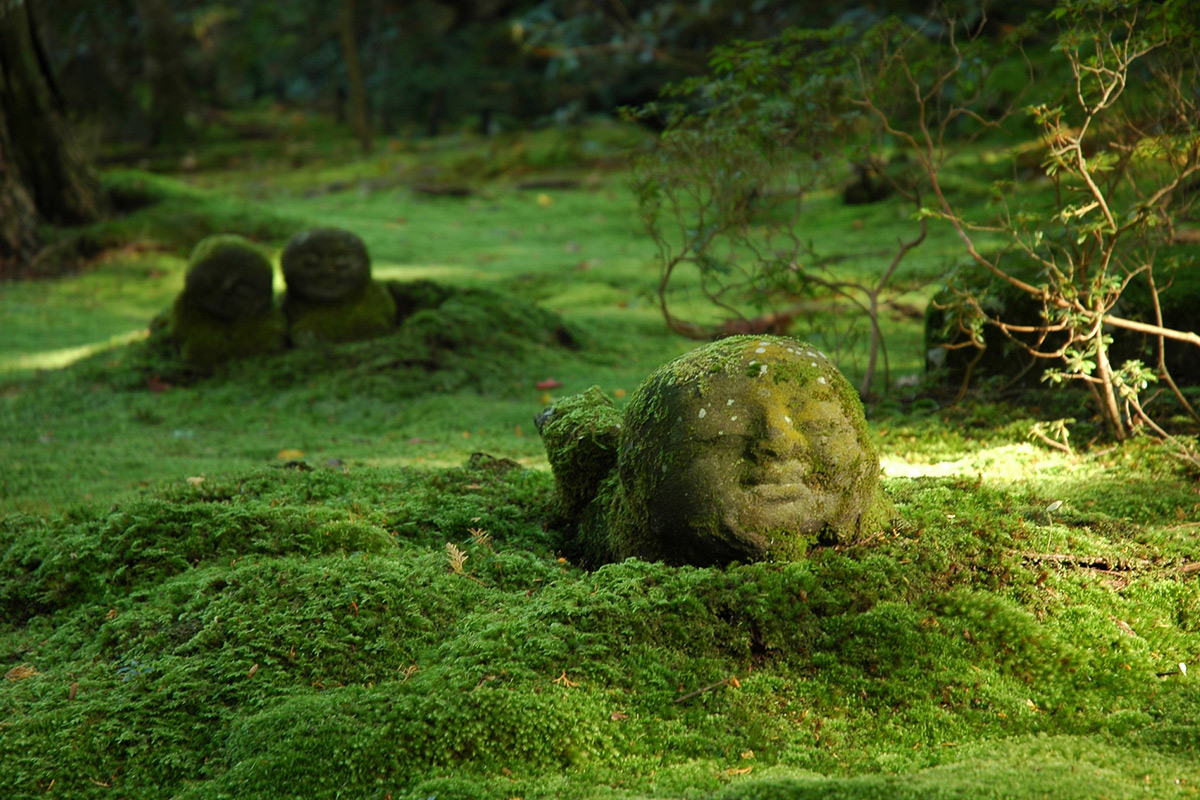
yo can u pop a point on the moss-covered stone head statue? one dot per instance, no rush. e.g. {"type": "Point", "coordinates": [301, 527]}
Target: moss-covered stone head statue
{"type": "Point", "coordinates": [228, 277]}
{"type": "Point", "coordinates": [326, 265]}
{"type": "Point", "coordinates": [226, 309]}
{"type": "Point", "coordinates": [745, 449]}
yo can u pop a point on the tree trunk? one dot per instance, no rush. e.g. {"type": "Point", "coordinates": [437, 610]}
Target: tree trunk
{"type": "Point", "coordinates": [354, 76]}
{"type": "Point", "coordinates": [165, 46]}
{"type": "Point", "coordinates": [18, 217]}
{"type": "Point", "coordinates": [43, 175]}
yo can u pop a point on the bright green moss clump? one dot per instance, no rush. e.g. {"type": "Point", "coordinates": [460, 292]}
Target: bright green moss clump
{"type": "Point", "coordinates": [226, 309]}
{"type": "Point", "coordinates": [330, 295]}
{"type": "Point", "coordinates": [746, 449]}
{"type": "Point", "coordinates": [582, 434]}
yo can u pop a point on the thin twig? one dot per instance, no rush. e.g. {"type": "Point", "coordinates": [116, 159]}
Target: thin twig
{"type": "Point", "coordinates": [731, 680]}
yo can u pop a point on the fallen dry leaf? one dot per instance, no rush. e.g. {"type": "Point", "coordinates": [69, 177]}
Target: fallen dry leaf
{"type": "Point", "coordinates": [20, 672]}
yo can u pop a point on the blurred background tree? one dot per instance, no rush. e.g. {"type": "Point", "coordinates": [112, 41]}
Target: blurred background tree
{"type": "Point", "coordinates": [154, 71]}
{"type": "Point", "coordinates": [43, 177]}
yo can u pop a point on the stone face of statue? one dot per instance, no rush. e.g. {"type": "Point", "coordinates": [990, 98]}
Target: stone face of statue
{"type": "Point", "coordinates": [226, 309]}
{"type": "Point", "coordinates": [326, 265]}
{"type": "Point", "coordinates": [745, 449]}
{"type": "Point", "coordinates": [228, 278]}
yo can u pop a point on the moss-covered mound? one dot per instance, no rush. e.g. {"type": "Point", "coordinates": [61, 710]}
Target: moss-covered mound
{"type": "Point", "coordinates": [329, 634]}
{"type": "Point", "coordinates": [746, 449]}
{"type": "Point", "coordinates": [330, 296]}
{"type": "Point", "coordinates": [413, 296]}
{"type": "Point", "coordinates": [471, 318]}
{"type": "Point", "coordinates": [226, 308]}
{"type": "Point", "coordinates": [463, 338]}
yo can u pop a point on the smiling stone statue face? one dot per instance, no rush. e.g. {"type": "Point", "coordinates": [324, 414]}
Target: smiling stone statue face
{"type": "Point", "coordinates": [745, 449]}
{"type": "Point", "coordinates": [326, 265]}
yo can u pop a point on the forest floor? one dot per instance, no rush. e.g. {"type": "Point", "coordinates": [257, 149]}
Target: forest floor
{"type": "Point", "coordinates": [254, 585]}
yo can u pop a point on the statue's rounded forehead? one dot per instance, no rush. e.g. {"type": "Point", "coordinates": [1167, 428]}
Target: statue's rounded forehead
{"type": "Point", "coordinates": [746, 357]}
{"type": "Point", "coordinates": [724, 381]}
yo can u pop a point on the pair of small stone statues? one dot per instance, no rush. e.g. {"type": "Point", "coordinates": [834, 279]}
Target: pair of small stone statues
{"type": "Point", "coordinates": [742, 450]}
{"type": "Point", "coordinates": [227, 307]}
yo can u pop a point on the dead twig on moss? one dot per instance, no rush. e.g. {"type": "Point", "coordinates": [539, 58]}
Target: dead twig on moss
{"type": "Point", "coordinates": [730, 681]}
{"type": "Point", "coordinates": [1104, 564]}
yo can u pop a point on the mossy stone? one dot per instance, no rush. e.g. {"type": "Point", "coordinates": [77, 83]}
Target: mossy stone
{"type": "Point", "coordinates": [746, 449]}
{"type": "Point", "coordinates": [581, 434]}
{"type": "Point", "coordinates": [205, 341]}
{"type": "Point", "coordinates": [370, 313]}
{"type": "Point", "coordinates": [326, 265]}
{"type": "Point", "coordinates": [226, 309]}
{"type": "Point", "coordinates": [228, 277]}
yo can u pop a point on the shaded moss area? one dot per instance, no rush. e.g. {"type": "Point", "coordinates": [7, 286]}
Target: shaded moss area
{"type": "Point", "coordinates": [1006, 358]}
{"type": "Point", "coordinates": [328, 633]}
{"type": "Point", "coordinates": [204, 342]}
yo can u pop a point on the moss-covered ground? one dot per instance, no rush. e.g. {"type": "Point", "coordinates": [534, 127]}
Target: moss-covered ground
{"type": "Point", "coordinates": [292, 579]}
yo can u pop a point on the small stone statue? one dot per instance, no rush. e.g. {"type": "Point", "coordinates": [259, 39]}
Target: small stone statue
{"type": "Point", "coordinates": [331, 296]}
{"type": "Point", "coordinates": [226, 308]}
{"type": "Point", "coordinates": [746, 449]}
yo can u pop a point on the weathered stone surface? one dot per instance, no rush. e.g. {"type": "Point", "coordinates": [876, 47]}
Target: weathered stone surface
{"type": "Point", "coordinates": [330, 296]}
{"type": "Point", "coordinates": [746, 449]}
{"type": "Point", "coordinates": [226, 309]}
{"type": "Point", "coordinates": [228, 277]}
{"type": "Point", "coordinates": [325, 265]}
